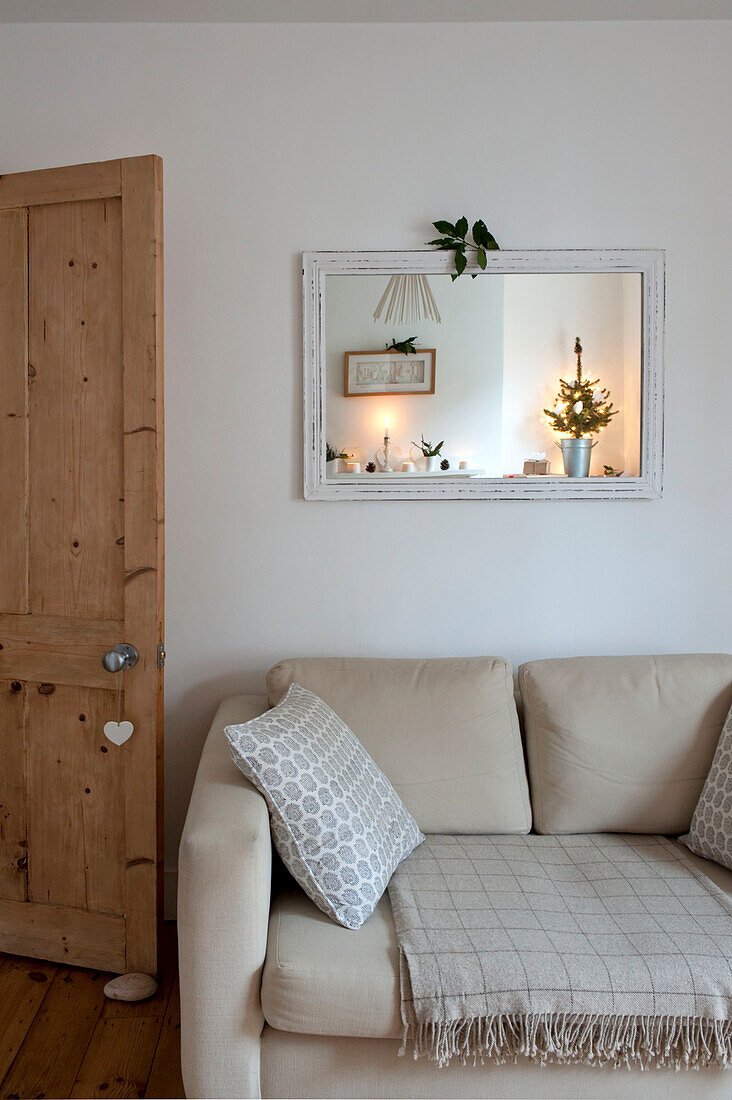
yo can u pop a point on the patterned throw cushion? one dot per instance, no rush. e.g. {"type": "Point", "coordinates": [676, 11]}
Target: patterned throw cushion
{"type": "Point", "coordinates": [338, 824]}
{"type": "Point", "coordinates": [710, 833]}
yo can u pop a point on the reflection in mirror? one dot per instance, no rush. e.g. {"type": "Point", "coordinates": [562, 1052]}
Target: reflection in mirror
{"type": "Point", "coordinates": [480, 379]}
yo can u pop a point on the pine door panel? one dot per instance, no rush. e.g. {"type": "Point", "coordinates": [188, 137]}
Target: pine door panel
{"type": "Point", "coordinates": [55, 649]}
{"type": "Point", "coordinates": [81, 562]}
{"type": "Point", "coordinates": [63, 934]}
{"type": "Point", "coordinates": [70, 183]}
{"type": "Point", "coordinates": [76, 565]}
{"type": "Point", "coordinates": [75, 800]}
{"type": "Point", "coordinates": [13, 874]}
{"type": "Point", "coordinates": [142, 320]}
{"type": "Point", "coordinates": [13, 418]}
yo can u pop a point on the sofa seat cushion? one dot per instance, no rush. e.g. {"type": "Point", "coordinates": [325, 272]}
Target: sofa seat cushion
{"type": "Point", "coordinates": [622, 744]}
{"type": "Point", "coordinates": [321, 979]}
{"type": "Point", "coordinates": [718, 874]}
{"type": "Point", "coordinates": [444, 731]}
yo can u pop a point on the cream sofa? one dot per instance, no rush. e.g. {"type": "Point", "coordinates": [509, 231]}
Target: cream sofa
{"type": "Point", "coordinates": [278, 1001]}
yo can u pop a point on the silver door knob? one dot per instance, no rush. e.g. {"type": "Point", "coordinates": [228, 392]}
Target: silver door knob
{"type": "Point", "coordinates": [120, 657]}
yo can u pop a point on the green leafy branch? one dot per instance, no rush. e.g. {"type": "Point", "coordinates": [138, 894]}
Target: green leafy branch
{"type": "Point", "coordinates": [427, 449]}
{"type": "Point", "coordinates": [406, 347]}
{"type": "Point", "coordinates": [455, 238]}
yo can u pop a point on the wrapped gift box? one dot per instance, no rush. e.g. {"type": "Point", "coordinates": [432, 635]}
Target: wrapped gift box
{"type": "Point", "coordinates": [536, 466]}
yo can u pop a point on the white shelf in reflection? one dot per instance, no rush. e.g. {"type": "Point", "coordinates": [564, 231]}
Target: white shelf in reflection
{"type": "Point", "coordinates": [400, 475]}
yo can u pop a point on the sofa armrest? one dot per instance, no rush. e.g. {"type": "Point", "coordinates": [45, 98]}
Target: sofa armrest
{"type": "Point", "coordinates": [224, 875]}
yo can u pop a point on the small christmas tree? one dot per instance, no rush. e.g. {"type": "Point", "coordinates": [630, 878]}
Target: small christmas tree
{"type": "Point", "coordinates": [581, 407]}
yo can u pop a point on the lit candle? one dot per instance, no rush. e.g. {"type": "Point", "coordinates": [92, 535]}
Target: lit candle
{"type": "Point", "coordinates": [387, 446]}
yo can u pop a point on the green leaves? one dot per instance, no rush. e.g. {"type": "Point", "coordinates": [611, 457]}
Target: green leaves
{"type": "Point", "coordinates": [406, 347]}
{"type": "Point", "coordinates": [444, 242]}
{"type": "Point", "coordinates": [427, 449]}
{"type": "Point", "coordinates": [482, 237]}
{"type": "Point", "coordinates": [455, 239]}
{"type": "Point", "coordinates": [332, 452]}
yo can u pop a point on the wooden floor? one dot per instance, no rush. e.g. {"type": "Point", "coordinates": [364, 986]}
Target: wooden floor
{"type": "Point", "coordinates": [60, 1036]}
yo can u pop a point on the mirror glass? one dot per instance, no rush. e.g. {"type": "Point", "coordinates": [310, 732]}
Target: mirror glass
{"type": "Point", "coordinates": [480, 377]}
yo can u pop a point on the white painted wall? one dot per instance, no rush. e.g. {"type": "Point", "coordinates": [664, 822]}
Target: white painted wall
{"type": "Point", "coordinates": [465, 409]}
{"type": "Point", "coordinates": [282, 138]}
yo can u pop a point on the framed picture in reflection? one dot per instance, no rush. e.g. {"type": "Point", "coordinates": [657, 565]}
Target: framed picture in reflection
{"type": "Point", "coordinates": [370, 373]}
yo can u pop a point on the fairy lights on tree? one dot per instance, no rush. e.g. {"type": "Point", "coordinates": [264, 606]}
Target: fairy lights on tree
{"type": "Point", "coordinates": [582, 407]}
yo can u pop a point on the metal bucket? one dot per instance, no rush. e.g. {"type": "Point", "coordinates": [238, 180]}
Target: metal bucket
{"type": "Point", "coordinates": [576, 454]}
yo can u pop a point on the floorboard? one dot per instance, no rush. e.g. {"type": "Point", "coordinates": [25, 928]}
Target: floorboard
{"type": "Point", "coordinates": [165, 1077]}
{"type": "Point", "coordinates": [49, 1057]}
{"type": "Point", "coordinates": [119, 1058]}
{"type": "Point", "coordinates": [60, 1037]}
{"type": "Point", "coordinates": [23, 985]}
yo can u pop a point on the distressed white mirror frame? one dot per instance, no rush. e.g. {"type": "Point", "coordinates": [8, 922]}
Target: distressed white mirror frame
{"type": "Point", "coordinates": [650, 263]}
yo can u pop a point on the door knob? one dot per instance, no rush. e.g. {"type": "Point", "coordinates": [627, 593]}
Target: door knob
{"type": "Point", "coordinates": [120, 657]}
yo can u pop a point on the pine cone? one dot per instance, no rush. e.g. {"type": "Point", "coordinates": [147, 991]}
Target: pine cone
{"type": "Point", "coordinates": [444, 465]}
{"type": "Point", "coordinates": [370, 467]}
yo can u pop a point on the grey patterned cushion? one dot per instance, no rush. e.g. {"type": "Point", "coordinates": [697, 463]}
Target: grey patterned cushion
{"type": "Point", "coordinates": [338, 824]}
{"type": "Point", "coordinates": [710, 833]}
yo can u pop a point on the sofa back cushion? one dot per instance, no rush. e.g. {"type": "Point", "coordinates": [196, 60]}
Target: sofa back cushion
{"type": "Point", "coordinates": [622, 744]}
{"type": "Point", "coordinates": [444, 731]}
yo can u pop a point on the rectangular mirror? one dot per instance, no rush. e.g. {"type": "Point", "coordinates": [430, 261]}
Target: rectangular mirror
{"type": "Point", "coordinates": [540, 378]}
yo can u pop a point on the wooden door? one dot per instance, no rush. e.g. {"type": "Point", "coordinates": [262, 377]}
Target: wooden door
{"type": "Point", "coordinates": [81, 562]}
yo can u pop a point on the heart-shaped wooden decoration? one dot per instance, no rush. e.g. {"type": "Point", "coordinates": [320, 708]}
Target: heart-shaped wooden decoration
{"type": "Point", "coordinates": [118, 732]}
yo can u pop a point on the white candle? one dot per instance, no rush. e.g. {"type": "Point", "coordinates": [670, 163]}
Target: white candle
{"type": "Point", "coordinates": [353, 467]}
{"type": "Point", "coordinates": [463, 464]}
{"type": "Point", "coordinates": [386, 427]}
{"type": "Point", "coordinates": [408, 467]}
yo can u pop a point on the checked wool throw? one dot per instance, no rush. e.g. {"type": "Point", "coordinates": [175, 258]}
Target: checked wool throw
{"type": "Point", "coordinates": [595, 949]}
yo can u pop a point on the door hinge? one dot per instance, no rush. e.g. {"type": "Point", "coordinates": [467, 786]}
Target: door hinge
{"type": "Point", "coordinates": [161, 655]}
